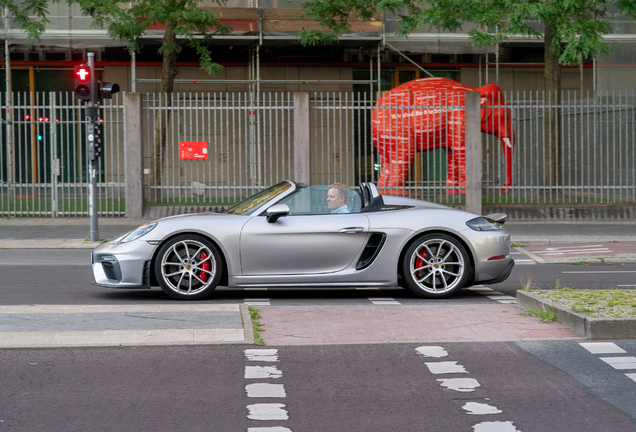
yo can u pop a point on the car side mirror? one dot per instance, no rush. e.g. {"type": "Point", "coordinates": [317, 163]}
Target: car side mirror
{"type": "Point", "coordinates": [276, 211]}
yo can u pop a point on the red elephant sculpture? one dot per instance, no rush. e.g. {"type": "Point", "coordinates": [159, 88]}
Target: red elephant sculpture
{"type": "Point", "coordinates": [429, 113]}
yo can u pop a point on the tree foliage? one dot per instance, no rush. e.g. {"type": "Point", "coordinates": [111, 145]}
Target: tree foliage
{"type": "Point", "coordinates": [129, 21]}
{"type": "Point", "coordinates": [21, 12]}
{"type": "Point", "coordinates": [578, 26]}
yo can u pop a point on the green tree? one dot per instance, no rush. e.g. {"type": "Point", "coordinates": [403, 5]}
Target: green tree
{"type": "Point", "coordinates": [21, 13]}
{"type": "Point", "coordinates": [572, 30]}
{"type": "Point", "coordinates": [184, 22]}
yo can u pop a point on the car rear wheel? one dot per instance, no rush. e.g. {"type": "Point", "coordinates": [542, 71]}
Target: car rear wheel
{"type": "Point", "coordinates": [188, 267]}
{"type": "Point", "coordinates": [436, 266]}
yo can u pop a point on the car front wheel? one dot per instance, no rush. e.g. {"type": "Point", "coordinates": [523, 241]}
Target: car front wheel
{"type": "Point", "coordinates": [436, 266]}
{"type": "Point", "coordinates": [188, 267]}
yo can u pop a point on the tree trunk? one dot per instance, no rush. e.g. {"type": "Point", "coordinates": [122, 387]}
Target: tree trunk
{"type": "Point", "coordinates": [552, 118]}
{"type": "Point", "coordinates": [168, 73]}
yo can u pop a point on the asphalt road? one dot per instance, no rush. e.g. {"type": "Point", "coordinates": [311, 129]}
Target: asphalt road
{"type": "Point", "coordinates": [34, 276]}
{"type": "Point", "coordinates": [501, 386]}
{"type": "Point", "coordinates": [530, 385]}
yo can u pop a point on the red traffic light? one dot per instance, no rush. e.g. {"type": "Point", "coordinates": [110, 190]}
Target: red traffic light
{"type": "Point", "coordinates": [82, 74]}
{"type": "Point", "coordinates": [82, 78]}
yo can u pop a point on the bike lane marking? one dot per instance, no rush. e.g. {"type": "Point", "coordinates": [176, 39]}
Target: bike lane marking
{"type": "Point", "coordinates": [265, 410]}
{"type": "Point", "coordinates": [463, 385]}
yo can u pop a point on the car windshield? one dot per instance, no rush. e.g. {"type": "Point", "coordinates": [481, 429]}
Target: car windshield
{"type": "Point", "coordinates": [256, 200]}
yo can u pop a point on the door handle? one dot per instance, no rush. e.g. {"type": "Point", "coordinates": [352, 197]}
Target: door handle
{"type": "Point", "coordinates": [351, 230]}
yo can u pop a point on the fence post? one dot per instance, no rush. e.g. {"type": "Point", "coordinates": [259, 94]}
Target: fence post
{"type": "Point", "coordinates": [302, 155]}
{"type": "Point", "coordinates": [133, 156]}
{"type": "Point", "coordinates": [473, 152]}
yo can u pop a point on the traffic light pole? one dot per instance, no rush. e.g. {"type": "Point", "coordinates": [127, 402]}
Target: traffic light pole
{"type": "Point", "coordinates": [91, 118]}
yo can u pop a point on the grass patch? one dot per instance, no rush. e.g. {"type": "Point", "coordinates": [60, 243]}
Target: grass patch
{"type": "Point", "coordinates": [256, 326]}
{"type": "Point", "coordinates": [612, 303]}
{"type": "Point", "coordinates": [547, 316]}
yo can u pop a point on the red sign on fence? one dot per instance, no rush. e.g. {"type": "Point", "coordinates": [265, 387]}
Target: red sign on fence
{"type": "Point", "coordinates": [193, 150]}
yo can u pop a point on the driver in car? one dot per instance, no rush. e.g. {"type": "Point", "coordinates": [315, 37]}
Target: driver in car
{"type": "Point", "coordinates": [337, 198]}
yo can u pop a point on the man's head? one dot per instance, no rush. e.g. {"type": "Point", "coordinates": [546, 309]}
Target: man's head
{"type": "Point", "coordinates": [337, 196]}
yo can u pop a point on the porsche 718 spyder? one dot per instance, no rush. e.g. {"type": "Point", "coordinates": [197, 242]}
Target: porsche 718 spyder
{"type": "Point", "coordinates": [289, 236]}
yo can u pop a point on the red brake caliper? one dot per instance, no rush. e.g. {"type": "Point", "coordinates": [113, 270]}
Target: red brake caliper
{"type": "Point", "coordinates": [205, 266]}
{"type": "Point", "coordinates": [419, 262]}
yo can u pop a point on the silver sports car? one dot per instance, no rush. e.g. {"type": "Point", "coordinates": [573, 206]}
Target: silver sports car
{"type": "Point", "coordinates": [312, 236]}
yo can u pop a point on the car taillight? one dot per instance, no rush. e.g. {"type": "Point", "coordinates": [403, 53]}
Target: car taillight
{"type": "Point", "coordinates": [498, 257]}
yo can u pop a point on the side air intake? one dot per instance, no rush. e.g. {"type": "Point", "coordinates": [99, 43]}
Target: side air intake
{"type": "Point", "coordinates": [371, 250]}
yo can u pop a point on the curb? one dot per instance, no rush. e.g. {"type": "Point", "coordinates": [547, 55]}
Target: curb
{"type": "Point", "coordinates": [248, 331]}
{"type": "Point", "coordinates": [591, 328]}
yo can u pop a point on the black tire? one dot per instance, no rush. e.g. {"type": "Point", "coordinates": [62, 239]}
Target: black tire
{"type": "Point", "coordinates": [436, 266]}
{"type": "Point", "coordinates": [188, 267]}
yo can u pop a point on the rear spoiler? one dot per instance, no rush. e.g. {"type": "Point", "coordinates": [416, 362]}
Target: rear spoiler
{"type": "Point", "coordinates": [500, 218]}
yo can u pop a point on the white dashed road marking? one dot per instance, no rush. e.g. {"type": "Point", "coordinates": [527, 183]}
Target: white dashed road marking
{"type": "Point", "coordinates": [267, 411]}
{"type": "Point", "coordinates": [495, 427]}
{"type": "Point", "coordinates": [599, 272]}
{"type": "Point", "coordinates": [265, 390]}
{"type": "Point", "coordinates": [475, 408]}
{"type": "Point", "coordinates": [266, 355]}
{"type": "Point", "coordinates": [269, 429]}
{"type": "Point", "coordinates": [432, 351]}
{"type": "Point", "coordinates": [259, 372]}
{"type": "Point", "coordinates": [464, 385]}
{"type": "Point", "coordinates": [438, 368]}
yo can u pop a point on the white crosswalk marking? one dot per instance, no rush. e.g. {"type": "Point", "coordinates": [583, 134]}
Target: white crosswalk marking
{"type": "Point", "coordinates": [620, 363]}
{"type": "Point", "coordinates": [602, 347]}
{"type": "Point", "coordinates": [382, 301]}
{"type": "Point", "coordinates": [572, 250]}
{"type": "Point", "coordinates": [493, 295]}
{"type": "Point", "coordinates": [257, 302]}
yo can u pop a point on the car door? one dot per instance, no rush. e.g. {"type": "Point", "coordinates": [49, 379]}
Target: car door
{"type": "Point", "coordinates": [302, 244]}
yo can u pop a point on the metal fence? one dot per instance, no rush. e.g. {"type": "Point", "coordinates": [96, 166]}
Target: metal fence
{"type": "Point", "coordinates": [249, 145]}
{"type": "Point", "coordinates": [43, 160]}
{"type": "Point", "coordinates": [594, 155]}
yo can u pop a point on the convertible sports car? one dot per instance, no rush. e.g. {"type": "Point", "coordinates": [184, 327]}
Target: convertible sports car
{"type": "Point", "coordinates": [291, 236]}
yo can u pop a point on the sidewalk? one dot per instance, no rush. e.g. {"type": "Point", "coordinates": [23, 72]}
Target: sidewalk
{"type": "Point", "coordinates": [54, 326]}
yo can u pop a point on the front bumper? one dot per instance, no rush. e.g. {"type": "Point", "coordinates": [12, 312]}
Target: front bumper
{"type": "Point", "coordinates": [122, 265]}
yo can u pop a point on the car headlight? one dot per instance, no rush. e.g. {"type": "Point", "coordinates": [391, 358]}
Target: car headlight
{"type": "Point", "coordinates": [139, 232]}
{"type": "Point", "coordinates": [484, 224]}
